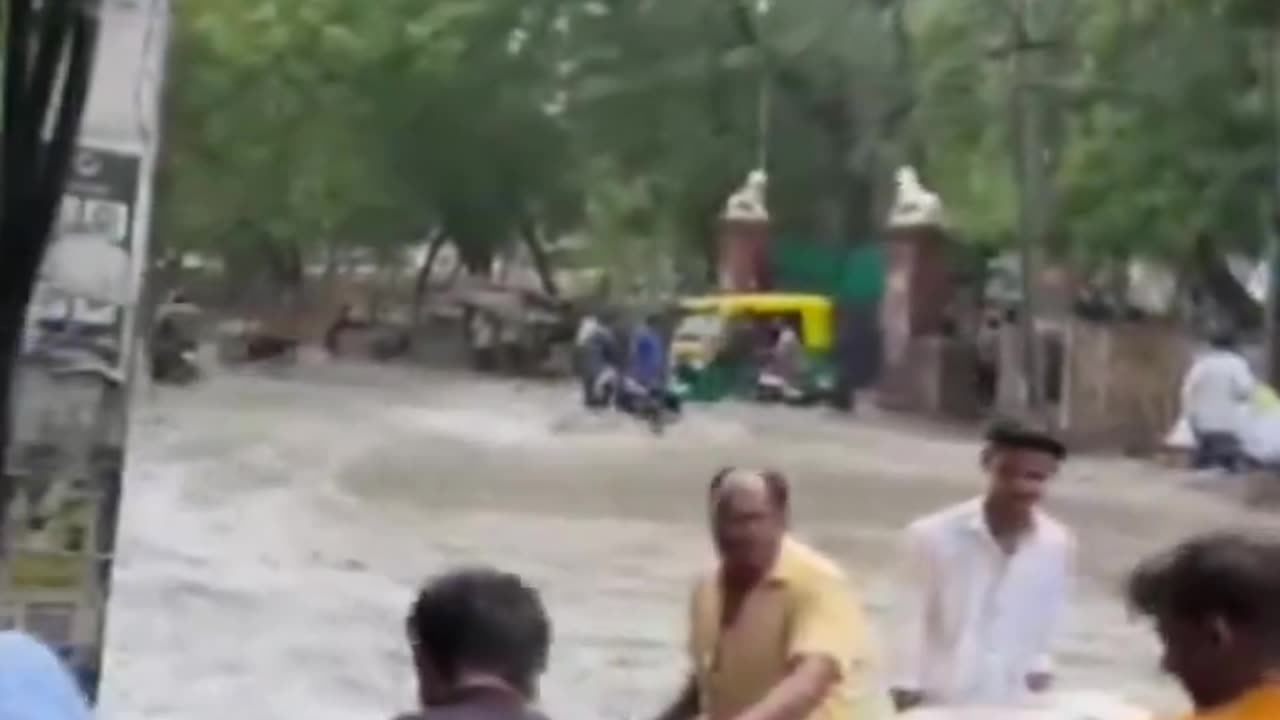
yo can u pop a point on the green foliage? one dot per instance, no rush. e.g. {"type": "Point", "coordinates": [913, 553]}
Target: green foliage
{"type": "Point", "coordinates": [301, 126]}
{"type": "Point", "coordinates": [1160, 128]}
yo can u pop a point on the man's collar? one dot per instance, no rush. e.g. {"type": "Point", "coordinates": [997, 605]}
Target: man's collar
{"type": "Point", "coordinates": [786, 565]}
{"type": "Point", "coordinates": [976, 519]}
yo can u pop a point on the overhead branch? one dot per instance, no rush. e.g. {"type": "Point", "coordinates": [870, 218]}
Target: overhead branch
{"type": "Point", "coordinates": [832, 113]}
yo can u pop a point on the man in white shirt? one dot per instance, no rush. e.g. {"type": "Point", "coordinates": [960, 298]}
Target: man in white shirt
{"type": "Point", "coordinates": [984, 585]}
{"type": "Point", "coordinates": [1213, 395]}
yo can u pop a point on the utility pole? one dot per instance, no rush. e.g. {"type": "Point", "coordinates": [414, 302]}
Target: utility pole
{"type": "Point", "coordinates": [1033, 186]}
{"type": "Point", "coordinates": [1271, 214]}
{"type": "Point", "coordinates": [763, 99]}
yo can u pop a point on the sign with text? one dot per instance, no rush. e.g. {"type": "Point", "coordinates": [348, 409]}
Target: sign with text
{"type": "Point", "coordinates": [58, 522]}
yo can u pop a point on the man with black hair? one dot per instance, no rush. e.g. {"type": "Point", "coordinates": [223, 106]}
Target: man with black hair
{"type": "Point", "coordinates": [1214, 393]}
{"type": "Point", "coordinates": [984, 584]}
{"type": "Point", "coordinates": [480, 640]}
{"type": "Point", "coordinates": [776, 632]}
{"type": "Point", "coordinates": [1216, 603]}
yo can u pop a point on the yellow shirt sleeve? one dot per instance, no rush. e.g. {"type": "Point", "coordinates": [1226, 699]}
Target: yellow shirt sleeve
{"type": "Point", "coordinates": [829, 623]}
{"type": "Point", "coordinates": [691, 640]}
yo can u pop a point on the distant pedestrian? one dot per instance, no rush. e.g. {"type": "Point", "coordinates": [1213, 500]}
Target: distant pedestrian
{"type": "Point", "coordinates": [647, 361]}
{"type": "Point", "coordinates": [344, 320]}
{"type": "Point", "coordinates": [984, 585]}
{"type": "Point", "coordinates": [480, 640]}
{"type": "Point", "coordinates": [596, 359]}
{"type": "Point", "coordinates": [1216, 603]}
{"type": "Point", "coordinates": [776, 631]}
{"type": "Point", "coordinates": [1214, 393]}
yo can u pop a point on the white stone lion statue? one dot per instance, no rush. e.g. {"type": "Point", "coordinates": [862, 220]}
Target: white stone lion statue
{"type": "Point", "coordinates": [748, 203]}
{"type": "Point", "coordinates": [913, 204]}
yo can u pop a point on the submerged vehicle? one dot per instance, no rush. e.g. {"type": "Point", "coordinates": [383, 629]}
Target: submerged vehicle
{"type": "Point", "coordinates": [175, 343]}
{"type": "Point", "coordinates": [728, 345]}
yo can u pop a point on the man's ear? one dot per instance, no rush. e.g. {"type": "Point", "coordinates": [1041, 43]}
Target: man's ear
{"type": "Point", "coordinates": [1221, 634]}
{"type": "Point", "coordinates": [985, 458]}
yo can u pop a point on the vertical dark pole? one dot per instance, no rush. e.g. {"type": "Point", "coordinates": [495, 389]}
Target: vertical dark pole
{"type": "Point", "coordinates": [34, 170]}
{"type": "Point", "coordinates": [1272, 215]}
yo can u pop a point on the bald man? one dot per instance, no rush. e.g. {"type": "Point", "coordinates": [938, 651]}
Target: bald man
{"type": "Point", "coordinates": [776, 632]}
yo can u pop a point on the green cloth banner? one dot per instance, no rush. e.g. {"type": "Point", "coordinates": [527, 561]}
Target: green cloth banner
{"type": "Point", "coordinates": [852, 274]}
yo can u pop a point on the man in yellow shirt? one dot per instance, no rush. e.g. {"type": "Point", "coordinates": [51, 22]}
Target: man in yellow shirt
{"type": "Point", "coordinates": [1216, 603]}
{"type": "Point", "coordinates": [775, 631]}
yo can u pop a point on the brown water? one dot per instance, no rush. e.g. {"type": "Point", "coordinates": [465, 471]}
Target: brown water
{"type": "Point", "coordinates": [276, 527]}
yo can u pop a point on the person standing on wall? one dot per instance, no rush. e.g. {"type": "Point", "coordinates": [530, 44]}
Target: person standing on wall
{"type": "Point", "coordinates": [776, 633]}
{"type": "Point", "coordinates": [984, 585]}
{"type": "Point", "coordinates": [1214, 392]}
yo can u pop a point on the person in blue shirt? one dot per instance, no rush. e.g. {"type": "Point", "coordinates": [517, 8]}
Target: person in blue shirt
{"type": "Point", "coordinates": [648, 357]}
{"type": "Point", "coordinates": [35, 684]}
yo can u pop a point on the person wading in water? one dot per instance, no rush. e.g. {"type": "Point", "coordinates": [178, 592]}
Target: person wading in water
{"type": "Point", "coordinates": [984, 585]}
{"type": "Point", "coordinates": [776, 631]}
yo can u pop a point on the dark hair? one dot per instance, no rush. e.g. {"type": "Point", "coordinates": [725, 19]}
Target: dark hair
{"type": "Point", "coordinates": [1013, 435]}
{"type": "Point", "coordinates": [482, 620]}
{"type": "Point", "coordinates": [777, 485]}
{"type": "Point", "coordinates": [1223, 340]}
{"type": "Point", "coordinates": [1230, 576]}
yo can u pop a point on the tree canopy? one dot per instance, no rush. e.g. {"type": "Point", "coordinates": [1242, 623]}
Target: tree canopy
{"type": "Point", "coordinates": [299, 128]}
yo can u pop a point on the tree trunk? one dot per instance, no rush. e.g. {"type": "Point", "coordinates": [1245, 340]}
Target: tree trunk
{"type": "Point", "coordinates": [1027, 151]}
{"type": "Point", "coordinates": [1271, 211]}
{"type": "Point", "coordinates": [1223, 287]}
{"type": "Point", "coordinates": [284, 262]}
{"type": "Point", "coordinates": [331, 264]}
{"type": "Point", "coordinates": [537, 253]}
{"type": "Point", "coordinates": [422, 282]}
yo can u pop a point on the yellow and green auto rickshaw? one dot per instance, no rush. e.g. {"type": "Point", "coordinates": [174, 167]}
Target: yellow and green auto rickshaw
{"type": "Point", "coordinates": [725, 344]}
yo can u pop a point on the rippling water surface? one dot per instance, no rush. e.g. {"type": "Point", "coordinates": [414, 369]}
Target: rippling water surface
{"type": "Point", "coordinates": [275, 528]}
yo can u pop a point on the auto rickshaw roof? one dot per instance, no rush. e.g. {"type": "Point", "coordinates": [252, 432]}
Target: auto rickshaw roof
{"type": "Point", "coordinates": [756, 302]}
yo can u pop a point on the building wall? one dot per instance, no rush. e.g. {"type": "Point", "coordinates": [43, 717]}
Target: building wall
{"type": "Point", "coordinates": [65, 467]}
{"type": "Point", "coordinates": [1123, 382]}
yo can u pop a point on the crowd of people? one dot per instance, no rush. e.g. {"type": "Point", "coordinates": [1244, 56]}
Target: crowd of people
{"type": "Point", "coordinates": [616, 365]}
{"type": "Point", "coordinates": [777, 632]}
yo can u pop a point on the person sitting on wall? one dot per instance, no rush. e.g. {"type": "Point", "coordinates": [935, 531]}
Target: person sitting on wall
{"type": "Point", "coordinates": [1214, 392]}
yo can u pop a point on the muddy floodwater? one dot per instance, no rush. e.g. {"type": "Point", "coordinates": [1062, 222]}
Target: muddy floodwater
{"type": "Point", "coordinates": [276, 525]}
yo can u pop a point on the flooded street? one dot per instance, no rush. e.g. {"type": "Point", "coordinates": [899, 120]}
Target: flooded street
{"type": "Point", "coordinates": [275, 529]}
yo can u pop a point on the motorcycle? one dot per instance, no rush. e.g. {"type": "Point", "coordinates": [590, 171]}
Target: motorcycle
{"type": "Point", "coordinates": [657, 407]}
{"type": "Point", "coordinates": [175, 366]}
